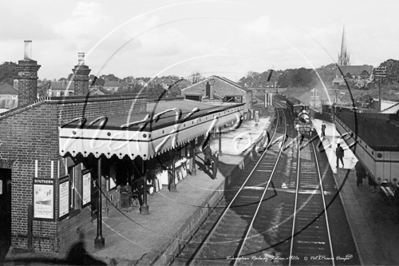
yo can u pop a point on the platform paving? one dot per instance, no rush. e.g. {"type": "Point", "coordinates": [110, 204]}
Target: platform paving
{"type": "Point", "coordinates": [372, 218]}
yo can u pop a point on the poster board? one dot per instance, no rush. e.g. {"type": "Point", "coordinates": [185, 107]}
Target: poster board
{"type": "Point", "coordinates": [86, 188]}
{"type": "Point", "coordinates": [43, 199]}
{"type": "Point", "coordinates": [63, 197]}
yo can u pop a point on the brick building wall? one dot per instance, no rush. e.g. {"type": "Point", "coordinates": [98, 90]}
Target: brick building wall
{"type": "Point", "coordinates": [31, 133]}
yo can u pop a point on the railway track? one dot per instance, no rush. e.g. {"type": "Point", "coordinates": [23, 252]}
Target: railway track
{"type": "Point", "coordinates": [230, 223]}
{"type": "Point", "coordinates": [278, 216]}
{"type": "Point", "coordinates": [311, 237]}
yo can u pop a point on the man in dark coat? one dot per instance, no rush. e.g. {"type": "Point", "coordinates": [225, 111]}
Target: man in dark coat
{"type": "Point", "coordinates": [360, 173]}
{"type": "Point", "coordinates": [207, 156]}
{"type": "Point", "coordinates": [323, 130]}
{"type": "Point", "coordinates": [339, 152]}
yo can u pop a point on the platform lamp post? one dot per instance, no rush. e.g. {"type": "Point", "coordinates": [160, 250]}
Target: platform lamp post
{"type": "Point", "coordinates": [99, 241]}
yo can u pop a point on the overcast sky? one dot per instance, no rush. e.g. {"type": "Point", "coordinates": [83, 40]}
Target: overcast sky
{"type": "Point", "coordinates": [228, 37]}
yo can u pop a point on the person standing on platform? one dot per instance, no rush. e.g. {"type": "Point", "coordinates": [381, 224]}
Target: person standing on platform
{"type": "Point", "coordinates": [360, 173]}
{"type": "Point", "coordinates": [323, 129]}
{"type": "Point", "coordinates": [396, 199]}
{"type": "Point", "coordinates": [207, 157]}
{"type": "Point", "coordinates": [339, 152]}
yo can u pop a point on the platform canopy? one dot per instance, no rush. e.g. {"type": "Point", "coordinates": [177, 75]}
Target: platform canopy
{"type": "Point", "coordinates": [165, 125]}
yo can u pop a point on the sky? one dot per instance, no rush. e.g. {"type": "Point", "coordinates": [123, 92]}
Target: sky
{"type": "Point", "coordinates": [148, 38]}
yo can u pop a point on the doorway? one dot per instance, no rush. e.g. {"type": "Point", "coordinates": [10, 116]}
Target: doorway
{"type": "Point", "coordinates": [5, 214]}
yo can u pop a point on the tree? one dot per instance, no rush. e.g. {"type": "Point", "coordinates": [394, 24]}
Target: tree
{"type": "Point", "coordinates": [195, 77]}
{"type": "Point", "coordinates": [8, 72]}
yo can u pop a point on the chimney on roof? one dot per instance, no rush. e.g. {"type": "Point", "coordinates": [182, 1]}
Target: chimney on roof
{"type": "Point", "coordinates": [81, 76]}
{"type": "Point", "coordinates": [81, 58]}
{"type": "Point", "coordinates": [27, 77]}
{"type": "Point", "coordinates": [28, 50]}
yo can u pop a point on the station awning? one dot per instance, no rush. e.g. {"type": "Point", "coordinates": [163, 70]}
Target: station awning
{"type": "Point", "coordinates": [147, 135]}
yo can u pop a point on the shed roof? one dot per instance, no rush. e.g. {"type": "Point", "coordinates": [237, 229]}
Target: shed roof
{"type": "Point", "coordinates": [164, 126]}
{"type": "Point", "coordinates": [379, 133]}
{"type": "Point", "coordinates": [356, 70]}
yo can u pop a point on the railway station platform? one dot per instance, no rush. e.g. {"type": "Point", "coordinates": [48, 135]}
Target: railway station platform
{"type": "Point", "coordinates": [372, 218]}
{"type": "Point", "coordinates": [135, 239]}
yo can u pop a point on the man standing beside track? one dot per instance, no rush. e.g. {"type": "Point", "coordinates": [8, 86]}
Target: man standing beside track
{"type": "Point", "coordinates": [339, 152]}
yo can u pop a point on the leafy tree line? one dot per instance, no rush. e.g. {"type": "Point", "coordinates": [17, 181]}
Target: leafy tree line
{"type": "Point", "coordinates": [8, 72]}
{"type": "Point", "coordinates": [299, 77]}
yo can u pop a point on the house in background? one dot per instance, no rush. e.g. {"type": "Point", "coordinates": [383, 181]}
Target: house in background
{"type": "Point", "coordinates": [113, 86]}
{"type": "Point", "coordinates": [219, 90]}
{"type": "Point", "coordinates": [61, 88]}
{"type": "Point", "coordinates": [8, 97]}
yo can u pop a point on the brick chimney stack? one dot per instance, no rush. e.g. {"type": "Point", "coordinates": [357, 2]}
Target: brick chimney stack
{"type": "Point", "coordinates": [81, 76]}
{"type": "Point", "coordinates": [27, 77]}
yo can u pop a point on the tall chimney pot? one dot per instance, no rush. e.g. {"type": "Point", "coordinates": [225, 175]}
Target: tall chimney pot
{"type": "Point", "coordinates": [28, 50]}
{"type": "Point", "coordinates": [81, 58]}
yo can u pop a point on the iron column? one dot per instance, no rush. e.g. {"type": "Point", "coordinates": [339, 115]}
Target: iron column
{"type": "Point", "coordinates": [99, 242]}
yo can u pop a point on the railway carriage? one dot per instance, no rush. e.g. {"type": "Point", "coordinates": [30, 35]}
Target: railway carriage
{"type": "Point", "coordinates": [295, 106]}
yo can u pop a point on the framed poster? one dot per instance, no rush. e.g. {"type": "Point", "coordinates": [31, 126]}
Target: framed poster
{"type": "Point", "coordinates": [86, 188]}
{"type": "Point", "coordinates": [43, 199]}
{"type": "Point", "coordinates": [63, 197]}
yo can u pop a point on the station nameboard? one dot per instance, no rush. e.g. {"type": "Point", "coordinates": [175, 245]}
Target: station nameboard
{"type": "Point", "coordinates": [380, 72]}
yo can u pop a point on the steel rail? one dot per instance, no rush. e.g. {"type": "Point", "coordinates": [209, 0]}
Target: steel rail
{"type": "Point", "coordinates": [320, 181]}
{"type": "Point", "coordinates": [324, 202]}
{"type": "Point", "coordinates": [298, 167]}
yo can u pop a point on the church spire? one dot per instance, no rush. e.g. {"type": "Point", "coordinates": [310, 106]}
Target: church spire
{"type": "Point", "coordinates": [343, 58]}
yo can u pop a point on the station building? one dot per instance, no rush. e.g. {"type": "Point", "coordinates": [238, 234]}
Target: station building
{"type": "Point", "coordinates": [216, 89]}
{"type": "Point", "coordinates": [56, 154]}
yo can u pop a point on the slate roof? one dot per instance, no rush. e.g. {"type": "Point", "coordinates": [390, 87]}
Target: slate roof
{"type": "Point", "coordinates": [355, 70]}
{"type": "Point", "coordinates": [114, 122]}
{"type": "Point", "coordinates": [6, 88]}
{"type": "Point", "coordinates": [378, 133]}
{"type": "Point", "coordinates": [230, 82]}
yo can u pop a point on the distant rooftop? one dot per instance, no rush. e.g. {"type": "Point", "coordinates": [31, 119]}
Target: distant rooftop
{"type": "Point", "coordinates": [8, 89]}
